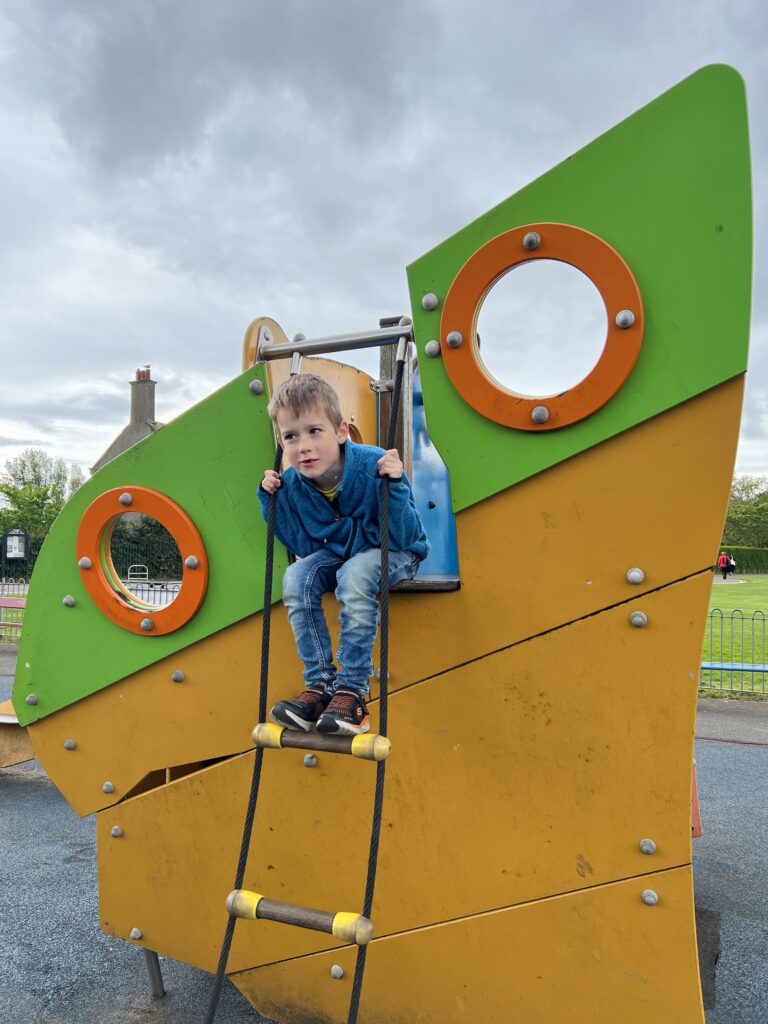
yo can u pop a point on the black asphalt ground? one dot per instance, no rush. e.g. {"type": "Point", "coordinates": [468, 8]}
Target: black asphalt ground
{"type": "Point", "coordinates": [56, 967]}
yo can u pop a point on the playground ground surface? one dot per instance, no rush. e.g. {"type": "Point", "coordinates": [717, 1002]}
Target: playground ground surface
{"type": "Point", "coordinates": [58, 968]}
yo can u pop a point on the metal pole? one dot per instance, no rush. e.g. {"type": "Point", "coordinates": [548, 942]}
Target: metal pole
{"type": "Point", "coordinates": [155, 977]}
{"type": "Point", "coordinates": [334, 343]}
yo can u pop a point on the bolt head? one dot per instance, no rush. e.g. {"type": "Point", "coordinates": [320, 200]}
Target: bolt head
{"type": "Point", "coordinates": [648, 847]}
{"type": "Point", "coordinates": [404, 321]}
{"type": "Point", "coordinates": [191, 562]}
{"type": "Point", "coordinates": [177, 676]}
{"type": "Point", "coordinates": [30, 699]}
{"type": "Point", "coordinates": [68, 601]}
{"type": "Point", "coordinates": [337, 971]}
{"type": "Point", "coordinates": [266, 334]}
{"type": "Point", "coordinates": [84, 563]}
{"type": "Point", "coordinates": [256, 387]}
{"type": "Point", "coordinates": [299, 337]}
{"type": "Point", "coordinates": [430, 301]}
{"type": "Point", "coordinates": [147, 625]}
{"type": "Point", "coordinates": [638, 619]}
{"type": "Point", "coordinates": [108, 787]}
{"type": "Point", "coordinates": [310, 760]}
{"type": "Point", "coordinates": [454, 339]}
{"type": "Point", "coordinates": [126, 498]}
{"type": "Point", "coordinates": [650, 897]}
{"type": "Point", "coordinates": [70, 745]}
{"type": "Point", "coordinates": [531, 240]}
{"type": "Point", "coordinates": [636, 576]}
{"type": "Point", "coordinates": [540, 414]}
{"type": "Point", "coordinates": [625, 318]}
{"type": "Point", "coordinates": [432, 349]}
{"type": "Point", "coordinates": [136, 933]}
{"type": "Point", "coordinates": [116, 832]}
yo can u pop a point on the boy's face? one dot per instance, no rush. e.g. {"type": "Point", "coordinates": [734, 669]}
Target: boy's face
{"type": "Point", "coordinates": [311, 445]}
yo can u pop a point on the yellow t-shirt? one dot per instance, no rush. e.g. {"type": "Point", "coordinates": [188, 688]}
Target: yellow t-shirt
{"type": "Point", "coordinates": [330, 494]}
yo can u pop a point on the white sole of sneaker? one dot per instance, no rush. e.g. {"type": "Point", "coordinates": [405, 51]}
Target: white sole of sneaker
{"type": "Point", "coordinates": [295, 722]}
{"type": "Point", "coordinates": [345, 729]}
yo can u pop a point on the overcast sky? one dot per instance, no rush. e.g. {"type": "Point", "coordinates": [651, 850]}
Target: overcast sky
{"type": "Point", "coordinates": [171, 170]}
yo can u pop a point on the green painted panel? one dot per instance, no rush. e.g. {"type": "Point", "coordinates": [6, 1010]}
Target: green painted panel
{"type": "Point", "coordinates": [669, 189]}
{"type": "Point", "coordinates": [209, 461]}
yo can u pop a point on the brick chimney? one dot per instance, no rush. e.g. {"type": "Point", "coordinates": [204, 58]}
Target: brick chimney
{"type": "Point", "coordinates": [142, 398]}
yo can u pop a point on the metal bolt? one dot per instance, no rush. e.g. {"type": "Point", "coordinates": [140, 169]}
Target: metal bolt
{"type": "Point", "coordinates": [638, 619]}
{"type": "Point", "coordinates": [266, 334]}
{"type": "Point", "coordinates": [404, 321]}
{"type": "Point", "coordinates": [125, 498]}
{"type": "Point", "coordinates": [648, 847]}
{"type": "Point", "coordinates": [191, 562]}
{"type": "Point", "coordinates": [84, 563]}
{"type": "Point", "coordinates": [430, 301]}
{"type": "Point", "coordinates": [650, 897]}
{"type": "Point", "coordinates": [116, 832]}
{"type": "Point", "coordinates": [256, 387]}
{"type": "Point", "coordinates": [147, 625]}
{"type": "Point", "coordinates": [378, 674]}
{"type": "Point", "coordinates": [540, 414]}
{"type": "Point", "coordinates": [30, 699]}
{"type": "Point", "coordinates": [108, 787]}
{"type": "Point", "coordinates": [177, 676]}
{"type": "Point", "coordinates": [454, 339]}
{"type": "Point", "coordinates": [532, 240]}
{"type": "Point", "coordinates": [69, 601]}
{"type": "Point", "coordinates": [310, 760]}
{"type": "Point", "coordinates": [337, 971]}
{"type": "Point", "coordinates": [625, 318]}
{"type": "Point", "coordinates": [70, 745]}
{"type": "Point", "coordinates": [299, 337]}
{"type": "Point", "coordinates": [635, 576]}
{"type": "Point", "coordinates": [432, 349]}
{"type": "Point", "coordinates": [136, 933]}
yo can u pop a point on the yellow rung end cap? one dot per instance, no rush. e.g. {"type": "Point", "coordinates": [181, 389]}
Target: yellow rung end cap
{"type": "Point", "coordinates": [371, 747]}
{"type": "Point", "coordinates": [353, 928]}
{"type": "Point", "coordinates": [242, 903]}
{"type": "Point", "coordinates": [266, 734]}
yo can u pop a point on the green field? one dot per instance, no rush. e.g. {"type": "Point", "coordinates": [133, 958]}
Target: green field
{"type": "Point", "coordinates": [739, 636]}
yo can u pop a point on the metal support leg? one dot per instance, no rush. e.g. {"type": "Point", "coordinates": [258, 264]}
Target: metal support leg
{"type": "Point", "coordinates": [155, 977]}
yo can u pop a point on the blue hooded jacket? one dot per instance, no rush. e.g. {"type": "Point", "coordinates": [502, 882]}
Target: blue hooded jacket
{"type": "Point", "coordinates": [305, 521]}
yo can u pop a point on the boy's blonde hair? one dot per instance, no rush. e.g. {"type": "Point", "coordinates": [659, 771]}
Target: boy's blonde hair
{"type": "Point", "coordinates": [302, 392]}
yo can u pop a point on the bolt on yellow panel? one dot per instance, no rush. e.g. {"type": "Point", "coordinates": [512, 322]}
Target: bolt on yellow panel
{"type": "Point", "coordinates": [598, 955]}
{"type": "Point", "coordinates": [537, 556]}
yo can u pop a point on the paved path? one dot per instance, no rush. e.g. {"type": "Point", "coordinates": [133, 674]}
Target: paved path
{"type": "Point", "coordinates": [58, 968]}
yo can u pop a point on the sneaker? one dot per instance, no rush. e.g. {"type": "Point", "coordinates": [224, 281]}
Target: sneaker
{"type": "Point", "coordinates": [346, 714]}
{"type": "Point", "coordinates": [301, 712]}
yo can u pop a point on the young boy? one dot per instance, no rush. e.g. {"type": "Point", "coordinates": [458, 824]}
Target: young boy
{"type": "Point", "coordinates": [327, 514]}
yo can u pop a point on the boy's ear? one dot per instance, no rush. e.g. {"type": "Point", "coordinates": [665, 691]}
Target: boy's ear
{"type": "Point", "coordinates": [343, 432]}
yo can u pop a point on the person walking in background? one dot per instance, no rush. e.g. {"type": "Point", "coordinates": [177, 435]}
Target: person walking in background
{"type": "Point", "coordinates": [723, 563]}
{"type": "Point", "coordinates": [731, 564]}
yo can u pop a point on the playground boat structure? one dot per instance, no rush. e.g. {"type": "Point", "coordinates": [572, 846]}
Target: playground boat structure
{"type": "Point", "coordinates": [535, 852]}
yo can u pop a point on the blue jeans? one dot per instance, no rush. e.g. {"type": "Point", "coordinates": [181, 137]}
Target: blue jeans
{"type": "Point", "coordinates": [356, 583]}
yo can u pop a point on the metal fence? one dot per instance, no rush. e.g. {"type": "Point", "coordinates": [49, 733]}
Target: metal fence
{"type": "Point", "coordinates": [734, 655]}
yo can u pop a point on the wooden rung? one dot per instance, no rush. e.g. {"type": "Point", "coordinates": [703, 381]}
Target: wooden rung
{"type": "Point", "coordinates": [368, 746]}
{"type": "Point", "coordinates": [253, 906]}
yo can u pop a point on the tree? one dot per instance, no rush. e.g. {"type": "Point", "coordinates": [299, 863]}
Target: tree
{"type": "Point", "coordinates": [747, 520]}
{"type": "Point", "coordinates": [35, 488]}
{"type": "Point", "coordinates": [35, 468]}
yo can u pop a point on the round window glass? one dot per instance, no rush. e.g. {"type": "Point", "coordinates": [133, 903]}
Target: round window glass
{"type": "Point", "coordinates": [144, 564]}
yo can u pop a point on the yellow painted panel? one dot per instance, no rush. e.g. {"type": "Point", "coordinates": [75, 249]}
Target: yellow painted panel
{"type": "Point", "coordinates": [537, 556]}
{"type": "Point", "coordinates": [15, 746]}
{"type": "Point", "coordinates": [601, 955]}
{"type": "Point", "coordinates": [538, 770]}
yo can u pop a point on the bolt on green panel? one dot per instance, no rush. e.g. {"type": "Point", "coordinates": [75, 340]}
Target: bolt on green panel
{"type": "Point", "coordinates": [669, 189]}
{"type": "Point", "coordinates": [209, 461]}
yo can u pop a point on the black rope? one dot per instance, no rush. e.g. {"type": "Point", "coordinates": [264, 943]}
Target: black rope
{"type": "Point", "coordinates": [378, 798]}
{"type": "Point", "coordinates": [256, 777]}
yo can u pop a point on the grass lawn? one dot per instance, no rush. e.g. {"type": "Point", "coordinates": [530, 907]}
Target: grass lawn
{"type": "Point", "coordinates": [737, 635]}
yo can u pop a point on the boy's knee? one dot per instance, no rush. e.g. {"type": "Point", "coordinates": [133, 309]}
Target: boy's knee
{"type": "Point", "coordinates": [360, 575]}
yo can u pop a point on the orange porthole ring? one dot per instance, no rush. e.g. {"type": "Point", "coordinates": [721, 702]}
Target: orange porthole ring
{"type": "Point", "coordinates": [98, 573]}
{"type": "Point", "coordinates": [458, 335]}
